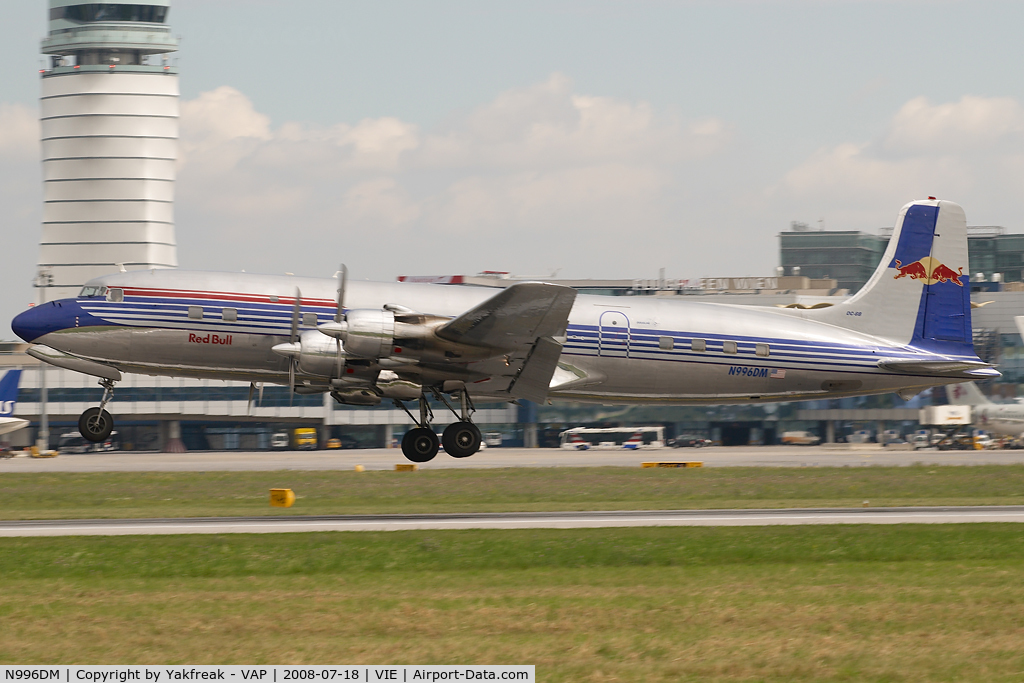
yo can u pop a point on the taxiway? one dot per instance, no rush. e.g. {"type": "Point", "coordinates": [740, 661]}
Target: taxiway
{"type": "Point", "coordinates": [386, 459]}
{"type": "Point", "coordinates": [513, 520]}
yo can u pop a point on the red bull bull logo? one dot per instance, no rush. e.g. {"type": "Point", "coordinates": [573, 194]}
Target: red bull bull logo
{"type": "Point", "coordinates": [929, 269]}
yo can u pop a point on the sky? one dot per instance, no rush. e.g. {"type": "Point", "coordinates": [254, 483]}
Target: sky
{"type": "Point", "coordinates": [602, 139]}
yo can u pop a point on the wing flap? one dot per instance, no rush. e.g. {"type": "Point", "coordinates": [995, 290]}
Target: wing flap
{"type": "Point", "coordinates": [532, 381]}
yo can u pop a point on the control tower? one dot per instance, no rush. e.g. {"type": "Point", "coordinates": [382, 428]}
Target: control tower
{"type": "Point", "coordinates": [109, 113]}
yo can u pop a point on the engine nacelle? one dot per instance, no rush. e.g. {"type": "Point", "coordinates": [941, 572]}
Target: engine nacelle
{"type": "Point", "coordinates": [318, 355]}
{"type": "Point", "coordinates": [370, 333]}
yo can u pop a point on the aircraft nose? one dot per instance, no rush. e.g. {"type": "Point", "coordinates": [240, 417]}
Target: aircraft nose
{"type": "Point", "coordinates": [43, 319]}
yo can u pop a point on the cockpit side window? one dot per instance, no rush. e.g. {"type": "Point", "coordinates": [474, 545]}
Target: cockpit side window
{"type": "Point", "coordinates": [115, 295]}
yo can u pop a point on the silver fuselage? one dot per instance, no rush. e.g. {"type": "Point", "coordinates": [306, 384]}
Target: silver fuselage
{"type": "Point", "coordinates": [616, 349]}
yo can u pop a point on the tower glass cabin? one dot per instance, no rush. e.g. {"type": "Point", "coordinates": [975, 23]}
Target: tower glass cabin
{"type": "Point", "coordinates": [109, 114]}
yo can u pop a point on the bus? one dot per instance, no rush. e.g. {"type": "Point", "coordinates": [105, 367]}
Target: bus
{"type": "Point", "coordinates": [585, 438]}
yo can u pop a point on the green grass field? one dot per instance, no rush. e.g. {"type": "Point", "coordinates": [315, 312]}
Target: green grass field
{"type": "Point", "coordinates": [49, 496]}
{"type": "Point", "coordinates": [845, 603]}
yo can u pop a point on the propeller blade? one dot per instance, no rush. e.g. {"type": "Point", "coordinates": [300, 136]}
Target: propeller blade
{"type": "Point", "coordinates": [296, 312]}
{"type": "Point", "coordinates": [252, 388]}
{"type": "Point", "coordinates": [259, 400]}
{"type": "Point", "coordinates": [291, 382]}
{"type": "Point", "coordinates": [342, 280]}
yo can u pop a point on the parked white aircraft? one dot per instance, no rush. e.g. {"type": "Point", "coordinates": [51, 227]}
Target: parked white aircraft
{"type": "Point", "coordinates": [1002, 419]}
{"type": "Point", "coordinates": [8, 399]}
{"type": "Point", "coordinates": [908, 329]}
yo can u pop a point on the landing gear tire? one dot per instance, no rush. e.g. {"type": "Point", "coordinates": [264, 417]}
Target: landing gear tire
{"type": "Point", "coordinates": [95, 425]}
{"type": "Point", "coordinates": [420, 444]}
{"type": "Point", "coordinates": [461, 439]}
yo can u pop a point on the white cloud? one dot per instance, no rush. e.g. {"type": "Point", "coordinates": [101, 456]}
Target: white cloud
{"type": "Point", "coordinates": [971, 125]}
{"type": "Point", "coordinates": [970, 151]}
{"type": "Point", "coordinates": [541, 161]}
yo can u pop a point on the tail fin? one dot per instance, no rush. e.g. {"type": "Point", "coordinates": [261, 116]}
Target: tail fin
{"type": "Point", "coordinates": [967, 394]}
{"type": "Point", "coordinates": [9, 392]}
{"type": "Point", "coordinates": [919, 295]}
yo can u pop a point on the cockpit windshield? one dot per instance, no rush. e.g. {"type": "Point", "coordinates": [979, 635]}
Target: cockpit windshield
{"type": "Point", "coordinates": [93, 290]}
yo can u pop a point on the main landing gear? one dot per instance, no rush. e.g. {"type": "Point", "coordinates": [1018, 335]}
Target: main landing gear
{"type": "Point", "coordinates": [461, 439]}
{"type": "Point", "coordinates": [95, 424]}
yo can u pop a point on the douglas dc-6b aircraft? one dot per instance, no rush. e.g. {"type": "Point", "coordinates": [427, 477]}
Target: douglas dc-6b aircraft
{"type": "Point", "coordinates": [909, 328]}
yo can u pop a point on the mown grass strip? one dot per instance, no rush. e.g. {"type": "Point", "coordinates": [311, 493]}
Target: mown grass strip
{"type": "Point", "coordinates": [234, 555]}
{"type": "Point", "coordinates": [157, 494]}
{"type": "Point", "coordinates": [907, 603]}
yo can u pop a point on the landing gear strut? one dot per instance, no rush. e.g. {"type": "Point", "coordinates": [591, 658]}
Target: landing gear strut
{"type": "Point", "coordinates": [96, 424]}
{"type": "Point", "coordinates": [461, 439]}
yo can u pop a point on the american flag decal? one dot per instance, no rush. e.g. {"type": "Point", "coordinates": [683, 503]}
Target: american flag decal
{"type": "Point", "coordinates": [778, 374]}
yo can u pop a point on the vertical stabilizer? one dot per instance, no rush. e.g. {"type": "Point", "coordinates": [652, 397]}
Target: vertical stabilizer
{"type": "Point", "coordinates": [967, 394]}
{"type": "Point", "coordinates": [919, 295]}
{"type": "Point", "coordinates": [9, 392]}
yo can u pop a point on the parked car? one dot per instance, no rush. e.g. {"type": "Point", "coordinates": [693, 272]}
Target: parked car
{"type": "Point", "coordinates": [688, 441]}
{"type": "Point", "coordinates": [800, 439]}
{"type": "Point", "coordinates": [73, 442]}
{"type": "Point", "coordinates": [343, 441]}
{"type": "Point", "coordinates": [279, 440]}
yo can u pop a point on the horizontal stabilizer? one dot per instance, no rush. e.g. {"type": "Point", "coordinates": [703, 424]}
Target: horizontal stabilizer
{"type": "Point", "coordinates": [967, 369]}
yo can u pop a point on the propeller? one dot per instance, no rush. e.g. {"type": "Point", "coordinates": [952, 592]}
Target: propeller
{"type": "Point", "coordinates": [296, 312]}
{"type": "Point", "coordinates": [342, 280]}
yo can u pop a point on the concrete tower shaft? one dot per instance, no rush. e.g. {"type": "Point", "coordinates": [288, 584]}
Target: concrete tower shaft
{"type": "Point", "coordinates": [109, 113]}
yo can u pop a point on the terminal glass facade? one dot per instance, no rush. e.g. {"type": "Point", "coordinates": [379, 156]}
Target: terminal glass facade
{"type": "Point", "coordinates": [851, 257]}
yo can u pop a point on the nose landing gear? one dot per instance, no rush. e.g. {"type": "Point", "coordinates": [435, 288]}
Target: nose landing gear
{"type": "Point", "coordinates": [461, 439]}
{"type": "Point", "coordinates": [96, 424]}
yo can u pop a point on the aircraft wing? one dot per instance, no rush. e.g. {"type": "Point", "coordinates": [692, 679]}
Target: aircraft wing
{"type": "Point", "coordinates": [11, 424]}
{"type": "Point", "coordinates": [514, 318]}
{"type": "Point", "coordinates": [523, 322]}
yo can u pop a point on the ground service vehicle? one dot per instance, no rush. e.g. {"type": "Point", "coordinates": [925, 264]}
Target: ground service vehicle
{"type": "Point", "coordinates": [800, 439]}
{"type": "Point", "coordinates": [305, 439]}
{"type": "Point", "coordinates": [584, 438]}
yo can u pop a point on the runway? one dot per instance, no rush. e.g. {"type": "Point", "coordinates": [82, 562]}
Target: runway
{"type": "Point", "coordinates": [386, 458]}
{"type": "Point", "coordinates": [536, 520]}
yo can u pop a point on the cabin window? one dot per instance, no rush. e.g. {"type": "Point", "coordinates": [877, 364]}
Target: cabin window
{"type": "Point", "coordinates": [195, 312]}
{"type": "Point", "coordinates": [274, 299]}
{"type": "Point", "coordinates": [309, 319]}
{"type": "Point", "coordinates": [762, 350]}
{"type": "Point", "coordinates": [666, 343]}
{"type": "Point", "coordinates": [115, 295]}
{"type": "Point", "coordinates": [698, 345]}
{"type": "Point", "coordinates": [728, 347]}
{"type": "Point", "coordinates": [229, 315]}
